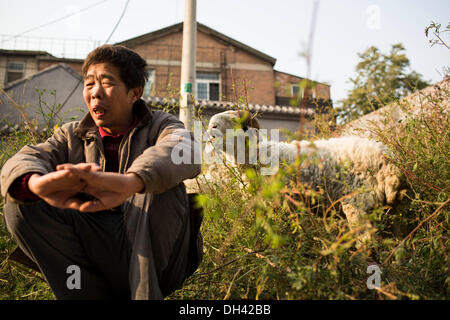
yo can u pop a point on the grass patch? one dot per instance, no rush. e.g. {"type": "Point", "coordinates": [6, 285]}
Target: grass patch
{"type": "Point", "coordinates": [271, 240]}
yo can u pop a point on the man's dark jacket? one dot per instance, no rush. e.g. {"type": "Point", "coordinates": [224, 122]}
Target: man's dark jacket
{"type": "Point", "coordinates": [154, 217]}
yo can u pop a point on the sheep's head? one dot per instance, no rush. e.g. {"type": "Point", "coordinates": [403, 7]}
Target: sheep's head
{"type": "Point", "coordinates": [240, 120]}
{"type": "Point", "coordinates": [231, 119]}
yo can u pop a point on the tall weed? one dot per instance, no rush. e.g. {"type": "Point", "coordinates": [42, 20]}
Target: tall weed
{"type": "Point", "coordinates": [276, 238]}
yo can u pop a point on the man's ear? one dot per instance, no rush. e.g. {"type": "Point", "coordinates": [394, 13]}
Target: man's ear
{"type": "Point", "coordinates": [136, 93]}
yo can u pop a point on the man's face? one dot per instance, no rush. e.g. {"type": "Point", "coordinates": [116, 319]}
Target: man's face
{"type": "Point", "coordinates": [109, 101]}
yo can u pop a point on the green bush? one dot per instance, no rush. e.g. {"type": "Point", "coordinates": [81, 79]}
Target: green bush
{"type": "Point", "coordinates": [269, 237]}
{"type": "Point", "coordinates": [17, 281]}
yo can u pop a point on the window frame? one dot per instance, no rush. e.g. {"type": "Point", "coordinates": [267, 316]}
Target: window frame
{"type": "Point", "coordinates": [11, 70]}
{"type": "Point", "coordinates": [299, 89]}
{"type": "Point", "coordinates": [293, 94]}
{"type": "Point", "coordinates": [147, 90]}
{"type": "Point", "coordinates": [208, 82]}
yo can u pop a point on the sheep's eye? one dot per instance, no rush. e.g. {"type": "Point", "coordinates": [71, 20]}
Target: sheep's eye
{"type": "Point", "coordinates": [214, 126]}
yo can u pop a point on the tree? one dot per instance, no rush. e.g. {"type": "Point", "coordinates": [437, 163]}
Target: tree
{"type": "Point", "coordinates": [437, 33]}
{"type": "Point", "coordinates": [381, 79]}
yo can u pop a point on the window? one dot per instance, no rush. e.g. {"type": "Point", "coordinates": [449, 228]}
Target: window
{"type": "Point", "coordinates": [208, 86]}
{"type": "Point", "coordinates": [295, 92]}
{"type": "Point", "coordinates": [295, 89]}
{"type": "Point", "coordinates": [150, 84]}
{"type": "Point", "coordinates": [14, 71]}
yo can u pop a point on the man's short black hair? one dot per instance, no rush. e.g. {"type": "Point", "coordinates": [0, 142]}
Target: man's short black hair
{"type": "Point", "coordinates": [131, 66]}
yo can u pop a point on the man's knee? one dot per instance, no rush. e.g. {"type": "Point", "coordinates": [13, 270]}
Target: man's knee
{"type": "Point", "coordinates": [12, 216]}
{"type": "Point", "coordinates": [19, 216]}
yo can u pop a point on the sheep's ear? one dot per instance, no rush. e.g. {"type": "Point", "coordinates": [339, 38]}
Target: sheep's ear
{"type": "Point", "coordinates": [254, 123]}
{"type": "Point", "coordinates": [250, 121]}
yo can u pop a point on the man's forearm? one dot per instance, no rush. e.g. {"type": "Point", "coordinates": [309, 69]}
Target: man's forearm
{"type": "Point", "coordinates": [32, 183]}
{"type": "Point", "coordinates": [136, 184]}
{"type": "Point", "coordinates": [158, 167]}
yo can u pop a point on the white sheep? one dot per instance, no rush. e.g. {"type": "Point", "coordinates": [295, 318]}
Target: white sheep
{"type": "Point", "coordinates": [352, 170]}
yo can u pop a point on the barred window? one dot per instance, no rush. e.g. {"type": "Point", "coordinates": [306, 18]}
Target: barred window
{"type": "Point", "coordinates": [208, 85]}
{"type": "Point", "coordinates": [14, 71]}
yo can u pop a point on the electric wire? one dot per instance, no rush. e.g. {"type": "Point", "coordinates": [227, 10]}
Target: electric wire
{"type": "Point", "coordinates": [53, 21]}
{"type": "Point", "coordinates": [118, 21]}
{"type": "Point", "coordinates": [107, 40]}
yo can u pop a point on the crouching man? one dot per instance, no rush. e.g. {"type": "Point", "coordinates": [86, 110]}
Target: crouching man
{"type": "Point", "coordinates": [102, 196]}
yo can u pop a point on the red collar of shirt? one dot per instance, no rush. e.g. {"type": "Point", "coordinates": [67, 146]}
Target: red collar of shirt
{"type": "Point", "coordinates": [103, 133]}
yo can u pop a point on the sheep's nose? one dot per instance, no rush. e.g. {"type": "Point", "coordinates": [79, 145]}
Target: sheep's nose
{"type": "Point", "coordinates": [213, 132]}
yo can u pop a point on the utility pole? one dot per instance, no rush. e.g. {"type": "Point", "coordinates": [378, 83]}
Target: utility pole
{"type": "Point", "coordinates": [187, 83]}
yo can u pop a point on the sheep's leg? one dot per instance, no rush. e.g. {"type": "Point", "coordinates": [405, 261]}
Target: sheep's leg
{"type": "Point", "coordinates": [355, 219]}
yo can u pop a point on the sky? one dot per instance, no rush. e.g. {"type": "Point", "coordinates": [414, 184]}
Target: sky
{"type": "Point", "coordinates": [280, 29]}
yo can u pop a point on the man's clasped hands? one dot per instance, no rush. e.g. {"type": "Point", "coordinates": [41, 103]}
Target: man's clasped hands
{"type": "Point", "coordinates": [62, 188]}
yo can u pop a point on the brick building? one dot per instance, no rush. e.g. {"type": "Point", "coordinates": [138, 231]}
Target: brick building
{"type": "Point", "coordinates": [222, 63]}
{"type": "Point", "coordinates": [227, 71]}
{"type": "Point", "coordinates": [18, 64]}
{"type": "Point", "coordinates": [222, 66]}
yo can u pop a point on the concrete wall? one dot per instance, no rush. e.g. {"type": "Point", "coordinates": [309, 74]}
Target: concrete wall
{"type": "Point", "coordinates": [55, 85]}
{"type": "Point", "coordinates": [30, 66]}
